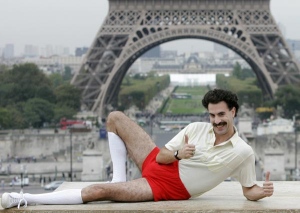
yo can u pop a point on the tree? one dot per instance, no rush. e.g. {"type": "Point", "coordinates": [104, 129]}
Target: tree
{"type": "Point", "coordinates": [3, 68]}
{"type": "Point", "coordinates": [288, 97]}
{"type": "Point", "coordinates": [67, 76]}
{"type": "Point", "coordinates": [68, 95]}
{"type": "Point", "coordinates": [242, 73]}
{"type": "Point", "coordinates": [38, 111]}
{"type": "Point", "coordinates": [22, 82]}
{"type": "Point", "coordinates": [56, 80]}
{"type": "Point", "coordinates": [6, 94]}
{"type": "Point", "coordinates": [237, 71]}
{"type": "Point", "coordinates": [5, 119]}
{"type": "Point", "coordinates": [46, 93]}
{"type": "Point", "coordinates": [63, 112]}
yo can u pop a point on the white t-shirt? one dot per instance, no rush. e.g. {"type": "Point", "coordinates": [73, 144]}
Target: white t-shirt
{"type": "Point", "coordinates": [213, 164]}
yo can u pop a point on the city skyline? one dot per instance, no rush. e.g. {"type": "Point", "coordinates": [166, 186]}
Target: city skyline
{"type": "Point", "coordinates": [75, 23]}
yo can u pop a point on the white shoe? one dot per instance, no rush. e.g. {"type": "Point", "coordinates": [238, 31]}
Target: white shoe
{"type": "Point", "coordinates": [10, 200]}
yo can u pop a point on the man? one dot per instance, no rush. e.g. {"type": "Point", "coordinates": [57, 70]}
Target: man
{"type": "Point", "coordinates": [196, 160]}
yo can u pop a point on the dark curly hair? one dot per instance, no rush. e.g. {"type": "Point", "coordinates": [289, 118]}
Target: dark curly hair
{"type": "Point", "coordinates": [217, 95]}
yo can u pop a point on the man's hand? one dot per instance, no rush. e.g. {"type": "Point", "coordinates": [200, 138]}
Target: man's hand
{"type": "Point", "coordinates": [268, 186]}
{"type": "Point", "coordinates": [188, 150]}
{"type": "Point", "coordinates": [256, 192]}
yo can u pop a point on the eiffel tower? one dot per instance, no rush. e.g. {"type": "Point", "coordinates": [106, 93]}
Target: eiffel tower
{"type": "Point", "coordinates": [132, 27]}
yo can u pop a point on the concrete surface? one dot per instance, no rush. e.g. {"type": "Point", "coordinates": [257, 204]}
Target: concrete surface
{"type": "Point", "coordinates": [225, 198]}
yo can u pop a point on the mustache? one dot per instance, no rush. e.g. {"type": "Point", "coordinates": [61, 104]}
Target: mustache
{"type": "Point", "coordinates": [219, 124]}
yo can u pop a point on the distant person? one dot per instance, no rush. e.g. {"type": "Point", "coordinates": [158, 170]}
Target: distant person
{"type": "Point", "coordinates": [197, 159]}
{"type": "Point", "coordinates": [2, 185]}
{"type": "Point", "coordinates": [108, 171]}
{"type": "Point", "coordinates": [13, 182]}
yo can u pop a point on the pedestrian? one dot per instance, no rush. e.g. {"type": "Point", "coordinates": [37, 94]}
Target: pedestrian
{"type": "Point", "coordinates": [197, 159]}
{"type": "Point", "coordinates": [2, 185]}
{"type": "Point", "coordinates": [108, 168]}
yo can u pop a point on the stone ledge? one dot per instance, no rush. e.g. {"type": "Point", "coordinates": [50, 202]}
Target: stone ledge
{"type": "Point", "coordinates": [225, 198]}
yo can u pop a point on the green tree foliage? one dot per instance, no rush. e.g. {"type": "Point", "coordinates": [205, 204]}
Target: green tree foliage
{"type": "Point", "coordinates": [288, 97]}
{"type": "Point", "coordinates": [46, 93]}
{"type": "Point", "coordinates": [5, 118]}
{"type": "Point", "coordinates": [240, 73]}
{"type": "Point", "coordinates": [237, 71]}
{"type": "Point", "coordinates": [142, 90]}
{"type": "Point", "coordinates": [3, 68]}
{"type": "Point", "coordinates": [23, 82]}
{"type": "Point", "coordinates": [29, 97]}
{"type": "Point", "coordinates": [246, 90]}
{"type": "Point", "coordinates": [68, 95]}
{"type": "Point", "coordinates": [38, 111]}
{"type": "Point", "coordinates": [63, 112]}
{"type": "Point", "coordinates": [67, 76]}
{"type": "Point", "coordinates": [56, 80]}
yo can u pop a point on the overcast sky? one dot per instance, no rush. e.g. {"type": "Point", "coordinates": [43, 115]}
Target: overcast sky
{"type": "Point", "coordinates": [74, 23]}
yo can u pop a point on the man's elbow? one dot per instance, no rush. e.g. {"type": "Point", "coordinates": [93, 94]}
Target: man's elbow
{"type": "Point", "coordinates": [250, 197]}
{"type": "Point", "coordinates": [253, 196]}
{"type": "Point", "coordinates": [253, 193]}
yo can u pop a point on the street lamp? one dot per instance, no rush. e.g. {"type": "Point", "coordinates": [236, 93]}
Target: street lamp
{"type": "Point", "coordinates": [152, 116]}
{"type": "Point", "coordinates": [71, 155]}
{"type": "Point", "coordinates": [296, 128]}
{"type": "Point", "coordinates": [22, 179]}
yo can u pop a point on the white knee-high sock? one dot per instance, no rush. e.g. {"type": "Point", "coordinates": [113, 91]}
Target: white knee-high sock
{"type": "Point", "coordinates": [118, 154]}
{"type": "Point", "coordinates": [68, 196]}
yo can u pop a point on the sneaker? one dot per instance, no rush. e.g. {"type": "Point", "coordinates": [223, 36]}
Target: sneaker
{"type": "Point", "coordinates": [10, 200]}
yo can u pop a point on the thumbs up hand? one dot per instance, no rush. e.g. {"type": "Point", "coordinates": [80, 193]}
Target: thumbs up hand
{"type": "Point", "coordinates": [188, 150]}
{"type": "Point", "coordinates": [268, 186]}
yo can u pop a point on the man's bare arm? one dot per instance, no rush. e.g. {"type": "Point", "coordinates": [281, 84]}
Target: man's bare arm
{"type": "Point", "coordinates": [256, 192]}
{"type": "Point", "coordinates": [166, 156]}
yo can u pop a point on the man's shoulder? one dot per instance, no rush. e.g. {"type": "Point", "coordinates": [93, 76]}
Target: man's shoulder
{"type": "Point", "coordinates": [244, 147]}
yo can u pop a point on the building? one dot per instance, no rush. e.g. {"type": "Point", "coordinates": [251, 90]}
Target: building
{"type": "Point", "coordinates": [218, 48]}
{"type": "Point", "coordinates": [9, 51]}
{"type": "Point", "coordinates": [276, 126]}
{"type": "Point", "coordinates": [80, 51]}
{"type": "Point", "coordinates": [152, 53]}
{"type": "Point", "coordinates": [295, 47]}
{"type": "Point", "coordinates": [55, 64]}
{"type": "Point", "coordinates": [31, 51]}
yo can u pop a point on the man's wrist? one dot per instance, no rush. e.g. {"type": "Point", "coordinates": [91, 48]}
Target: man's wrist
{"type": "Point", "coordinates": [176, 155]}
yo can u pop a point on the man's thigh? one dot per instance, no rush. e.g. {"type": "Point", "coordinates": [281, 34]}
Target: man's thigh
{"type": "Point", "coordinates": [138, 143]}
{"type": "Point", "coordinates": [132, 191]}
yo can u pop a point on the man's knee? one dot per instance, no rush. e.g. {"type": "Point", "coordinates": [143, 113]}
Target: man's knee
{"type": "Point", "coordinates": [112, 118]}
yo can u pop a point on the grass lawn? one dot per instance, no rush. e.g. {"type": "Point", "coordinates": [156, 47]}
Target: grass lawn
{"type": "Point", "coordinates": [187, 106]}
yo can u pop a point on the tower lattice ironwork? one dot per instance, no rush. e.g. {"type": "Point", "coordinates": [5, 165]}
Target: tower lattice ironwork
{"type": "Point", "coordinates": [132, 27]}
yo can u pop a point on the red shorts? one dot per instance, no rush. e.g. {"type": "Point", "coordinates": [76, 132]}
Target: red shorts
{"type": "Point", "coordinates": [163, 179]}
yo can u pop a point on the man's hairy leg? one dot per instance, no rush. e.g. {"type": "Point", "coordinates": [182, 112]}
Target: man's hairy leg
{"type": "Point", "coordinates": [138, 143]}
{"type": "Point", "coordinates": [131, 191]}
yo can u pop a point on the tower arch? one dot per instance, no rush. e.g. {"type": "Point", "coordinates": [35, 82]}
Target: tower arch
{"type": "Point", "coordinates": [133, 27]}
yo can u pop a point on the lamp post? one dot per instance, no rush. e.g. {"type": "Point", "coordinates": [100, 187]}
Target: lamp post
{"type": "Point", "coordinates": [296, 128]}
{"type": "Point", "coordinates": [296, 151]}
{"type": "Point", "coordinates": [152, 116]}
{"type": "Point", "coordinates": [22, 179]}
{"type": "Point", "coordinates": [71, 155]}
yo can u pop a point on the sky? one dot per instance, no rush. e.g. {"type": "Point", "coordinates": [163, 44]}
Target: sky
{"type": "Point", "coordinates": [74, 23]}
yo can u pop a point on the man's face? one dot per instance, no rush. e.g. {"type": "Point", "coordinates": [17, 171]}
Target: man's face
{"type": "Point", "coordinates": [221, 118]}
